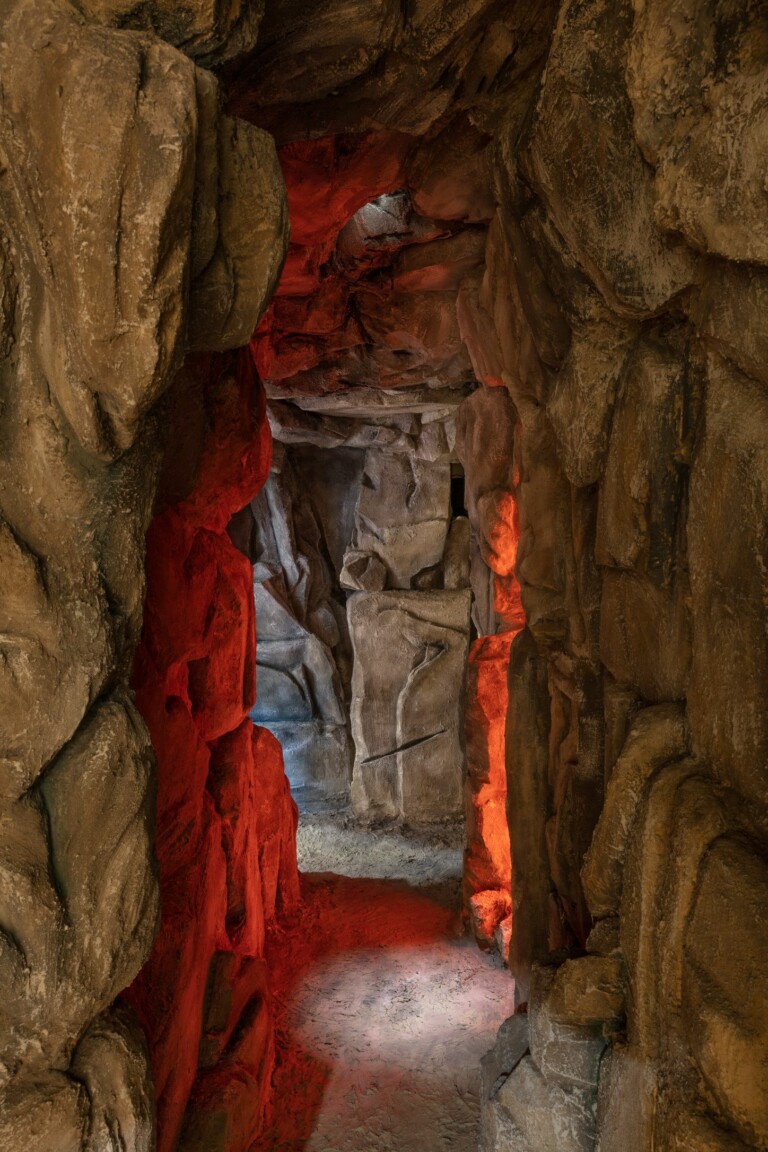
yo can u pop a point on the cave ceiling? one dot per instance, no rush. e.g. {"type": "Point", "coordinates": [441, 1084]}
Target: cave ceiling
{"type": "Point", "coordinates": [385, 115]}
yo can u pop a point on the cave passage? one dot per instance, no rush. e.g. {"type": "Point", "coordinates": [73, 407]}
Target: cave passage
{"type": "Point", "coordinates": [368, 546]}
{"type": "Point", "coordinates": [364, 613]}
{"type": "Point", "coordinates": [358, 553]}
{"type": "Point", "coordinates": [383, 399]}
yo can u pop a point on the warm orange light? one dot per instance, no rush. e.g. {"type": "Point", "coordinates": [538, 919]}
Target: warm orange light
{"type": "Point", "coordinates": [487, 858]}
{"type": "Point", "coordinates": [488, 864]}
{"type": "Point", "coordinates": [503, 534]}
{"type": "Point", "coordinates": [507, 602]}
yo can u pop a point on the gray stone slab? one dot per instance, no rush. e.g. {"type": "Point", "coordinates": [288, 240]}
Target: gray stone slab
{"type": "Point", "coordinates": [511, 1045]}
{"type": "Point", "coordinates": [407, 687]}
{"type": "Point", "coordinates": [567, 1055]}
{"type": "Point", "coordinates": [548, 1117]}
{"type": "Point", "coordinates": [402, 514]}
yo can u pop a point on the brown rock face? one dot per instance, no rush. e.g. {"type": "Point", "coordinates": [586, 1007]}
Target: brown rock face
{"type": "Point", "coordinates": [105, 250]}
{"type": "Point", "coordinates": [615, 270]}
{"type": "Point", "coordinates": [599, 194]}
{"type": "Point", "coordinates": [204, 29]}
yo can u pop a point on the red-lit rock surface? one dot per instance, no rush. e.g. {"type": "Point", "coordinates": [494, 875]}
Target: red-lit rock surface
{"type": "Point", "coordinates": [368, 293]}
{"type": "Point", "coordinates": [312, 314]}
{"type": "Point", "coordinates": [225, 819]}
{"type": "Point", "coordinates": [487, 862]}
{"type": "Point", "coordinates": [486, 424]}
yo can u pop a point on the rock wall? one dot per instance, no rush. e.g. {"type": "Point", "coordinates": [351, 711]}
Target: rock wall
{"type": "Point", "coordinates": [628, 233]}
{"type": "Point", "coordinates": [407, 708]}
{"type": "Point", "coordinates": [409, 562]}
{"type": "Point", "coordinates": [303, 660]}
{"type": "Point", "coordinates": [226, 823]}
{"type": "Point", "coordinates": [564, 204]}
{"type": "Point", "coordinates": [356, 506]}
{"type": "Point", "coordinates": [136, 223]}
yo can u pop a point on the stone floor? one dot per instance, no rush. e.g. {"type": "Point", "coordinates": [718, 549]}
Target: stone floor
{"type": "Point", "coordinates": [384, 1006]}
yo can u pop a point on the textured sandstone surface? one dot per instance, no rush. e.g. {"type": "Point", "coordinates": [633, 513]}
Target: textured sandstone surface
{"type": "Point", "coordinates": [106, 253]}
{"type": "Point", "coordinates": [406, 707]}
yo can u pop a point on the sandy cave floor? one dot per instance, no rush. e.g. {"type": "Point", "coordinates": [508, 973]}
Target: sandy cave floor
{"type": "Point", "coordinates": [384, 1007]}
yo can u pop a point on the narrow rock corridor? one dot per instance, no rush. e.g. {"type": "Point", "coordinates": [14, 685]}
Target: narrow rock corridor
{"type": "Point", "coordinates": [383, 461]}
{"type": "Point", "coordinates": [383, 1007]}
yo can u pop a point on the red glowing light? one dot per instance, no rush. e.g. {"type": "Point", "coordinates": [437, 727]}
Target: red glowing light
{"type": "Point", "coordinates": [487, 859]}
{"type": "Point", "coordinates": [226, 822]}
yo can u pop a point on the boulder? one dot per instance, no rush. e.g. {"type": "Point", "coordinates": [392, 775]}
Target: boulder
{"type": "Point", "coordinates": [538, 1115]}
{"type": "Point", "coordinates": [510, 1047]}
{"type": "Point", "coordinates": [565, 1053]}
{"type": "Point", "coordinates": [588, 992]}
